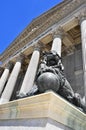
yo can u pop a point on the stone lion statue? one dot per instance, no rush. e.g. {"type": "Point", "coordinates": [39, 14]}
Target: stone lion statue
{"type": "Point", "coordinates": [50, 76]}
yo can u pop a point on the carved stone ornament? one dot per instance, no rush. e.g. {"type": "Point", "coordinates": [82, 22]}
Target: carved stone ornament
{"type": "Point", "coordinates": [82, 15]}
{"type": "Point", "coordinates": [20, 58]}
{"type": "Point", "coordinates": [59, 33]}
{"type": "Point", "coordinates": [9, 65]}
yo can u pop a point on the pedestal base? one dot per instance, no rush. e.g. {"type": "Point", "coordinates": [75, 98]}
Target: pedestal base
{"type": "Point", "coordinates": [46, 111]}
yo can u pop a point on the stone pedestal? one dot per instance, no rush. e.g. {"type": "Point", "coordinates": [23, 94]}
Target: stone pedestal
{"type": "Point", "coordinates": [46, 111]}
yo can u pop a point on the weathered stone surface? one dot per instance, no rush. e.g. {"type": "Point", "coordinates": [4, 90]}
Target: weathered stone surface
{"type": "Point", "coordinates": [33, 124]}
{"type": "Point", "coordinates": [47, 105]}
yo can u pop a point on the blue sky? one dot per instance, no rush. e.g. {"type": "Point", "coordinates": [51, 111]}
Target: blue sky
{"type": "Point", "coordinates": [15, 15]}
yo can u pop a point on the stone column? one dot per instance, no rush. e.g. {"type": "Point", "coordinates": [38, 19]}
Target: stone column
{"type": "Point", "coordinates": [6, 95]}
{"type": "Point", "coordinates": [1, 71]}
{"type": "Point", "coordinates": [83, 38]}
{"type": "Point", "coordinates": [5, 75]}
{"type": "Point", "coordinates": [30, 74]}
{"type": "Point", "coordinates": [56, 45]}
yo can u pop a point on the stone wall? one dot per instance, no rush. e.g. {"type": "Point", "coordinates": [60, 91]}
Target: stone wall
{"type": "Point", "coordinates": [73, 70]}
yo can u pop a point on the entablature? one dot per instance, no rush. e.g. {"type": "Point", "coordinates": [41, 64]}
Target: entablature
{"type": "Point", "coordinates": [64, 15]}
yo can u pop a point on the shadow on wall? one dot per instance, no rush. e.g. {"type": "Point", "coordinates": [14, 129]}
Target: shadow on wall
{"type": "Point", "coordinates": [32, 124]}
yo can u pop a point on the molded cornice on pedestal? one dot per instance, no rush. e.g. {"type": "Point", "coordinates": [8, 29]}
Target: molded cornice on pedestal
{"type": "Point", "coordinates": [45, 105]}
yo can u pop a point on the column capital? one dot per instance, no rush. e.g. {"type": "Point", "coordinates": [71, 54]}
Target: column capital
{"type": "Point", "coordinates": [1, 70]}
{"type": "Point", "coordinates": [20, 58]}
{"type": "Point", "coordinates": [9, 65]}
{"type": "Point", "coordinates": [81, 16]}
{"type": "Point", "coordinates": [59, 32]}
{"type": "Point", "coordinates": [39, 46]}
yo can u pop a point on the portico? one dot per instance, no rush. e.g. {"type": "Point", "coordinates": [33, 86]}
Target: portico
{"type": "Point", "coordinates": [64, 36]}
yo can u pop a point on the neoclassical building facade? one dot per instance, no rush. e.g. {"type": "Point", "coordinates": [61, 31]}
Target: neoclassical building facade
{"type": "Point", "coordinates": [62, 29]}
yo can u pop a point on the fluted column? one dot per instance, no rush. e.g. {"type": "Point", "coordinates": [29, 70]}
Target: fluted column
{"type": "Point", "coordinates": [57, 43]}
{"type": "Point", "coordinates": [5, 75]}
{"type": "Point", "coordinates": [6, 95]}
{"type": "Point", "coordinates": [30, 73]}
{"type": "Point", "coordinates": [83, 40]}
